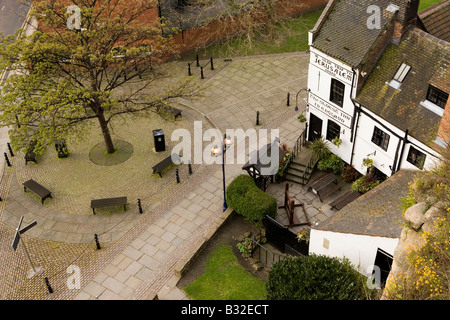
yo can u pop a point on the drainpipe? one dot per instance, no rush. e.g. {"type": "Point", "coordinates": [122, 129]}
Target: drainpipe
{"type": "Point", "coordinates": [405, 140]}
{"type": "Point", "coordinates": [356, 111]}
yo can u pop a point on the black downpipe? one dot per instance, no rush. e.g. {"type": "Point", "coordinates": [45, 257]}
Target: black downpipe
{"type": "Point", "coordinates": [357, 111]}
{"type": "Point", "coordinates": [405, 140]}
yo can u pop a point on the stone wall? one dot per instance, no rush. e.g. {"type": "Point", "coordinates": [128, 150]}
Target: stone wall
{"type": "Point", "coordinates": [416, 222]}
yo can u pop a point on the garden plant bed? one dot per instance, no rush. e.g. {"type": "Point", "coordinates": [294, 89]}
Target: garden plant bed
{"type": "Point", "coordinates": [230, 233]}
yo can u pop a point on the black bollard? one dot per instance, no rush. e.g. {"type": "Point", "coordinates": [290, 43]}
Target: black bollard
{"type": "Point", "coordinates": [288, 99]}
{"type": "Point", "coordinates": [257, 118]}
{"type": "Point", "coordinates": [189, 69]}
{"type": "Point", "coordinates": [7, 160]}
{"type": "Point", "coordinates": [49, 287]}
{"type": "Point", "coordinates": [10, 149]}
{"type": "Point", "coordinates": [190, 167]}
{"type": "Point", "coordinates": [198, 62]}
{"type": "Point", "coordinates": [177, 175]}
{"type": "Point", "coordinates": [201, 72]}
{"type": "Point", "coordinates": [96, 241]}
{"type": "Point", "coordinates": [139, 205]}
{"type": "Point", "coordinates": [212, 64]}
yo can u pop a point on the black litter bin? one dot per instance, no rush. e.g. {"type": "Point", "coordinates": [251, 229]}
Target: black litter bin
{"type": "Point", "coordinates": [160, 143]}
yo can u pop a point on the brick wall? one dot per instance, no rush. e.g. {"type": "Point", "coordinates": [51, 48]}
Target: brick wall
{"type": "Point", "coordinates": [444, 127]}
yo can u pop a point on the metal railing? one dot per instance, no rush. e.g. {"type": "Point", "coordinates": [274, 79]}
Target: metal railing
{"type": "Point", "coordinates": [308, 168]}
{"type": "Point", "coordinates": [264, 255]}
{"type": "Point", "coordinates": [295, 151]}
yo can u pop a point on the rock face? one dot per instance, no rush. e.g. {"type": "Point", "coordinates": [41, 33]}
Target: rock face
{"type": "Point", "coordinates": [417, 219]}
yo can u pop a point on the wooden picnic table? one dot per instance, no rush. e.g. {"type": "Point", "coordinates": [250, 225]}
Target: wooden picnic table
{"type": "Point", "coordinates": [320, 185]}
{"type": "Point", "coordinates": [344, 199]}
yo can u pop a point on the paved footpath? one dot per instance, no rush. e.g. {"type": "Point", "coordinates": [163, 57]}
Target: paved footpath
{"type": "Point", "coordinates": [140, 260]}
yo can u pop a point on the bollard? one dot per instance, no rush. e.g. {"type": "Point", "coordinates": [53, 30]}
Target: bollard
{"type": "Point", "coordinates": [49, 287]}
{"type": "Point", "coordinates": [7, 160]}
{"type": "Point", "coordinates": [178, 177]}
{"type": "Point", "coordinates": [212, 65]}
{"type": "Point", "coordinates": [139, 205]}
{"type": "Point", "coordinates": [198, 63]}
{"type": "Point", "coordinates": [189, 69]}
{"type": "Point", "coordinates": [96, 241]}
{"type": "Point", "coordinates": [288, 99]}
{"type": "Point", "coordinates": [257, 118]}
{"type": "Point", "coordinates": [10, 149]}
{"type": "Point", "coordinates": [201, 72]}
{"type": "Point", "coordinates": [189, 167]}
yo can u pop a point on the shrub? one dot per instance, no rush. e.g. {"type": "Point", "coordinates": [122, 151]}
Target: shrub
{"type": "Point", "coordinates": [315, 277]}
{"type": "Point", "coordinates": [333, 163]}
{"type": "Point", "coordinates": [249, 201]}
{"type": "Point", "coordinates": [320, 149]}
{"type": "Point", "coordinates": [350, 174]}
{"type": "Point", "coordinates": [364, 184]}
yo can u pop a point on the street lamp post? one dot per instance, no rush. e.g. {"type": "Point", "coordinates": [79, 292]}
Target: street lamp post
{"type": "Point", "coordinates": [215, 152]}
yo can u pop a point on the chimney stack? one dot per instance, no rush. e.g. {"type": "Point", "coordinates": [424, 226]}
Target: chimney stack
{"type": "Point", "coordinates": [406, 15]}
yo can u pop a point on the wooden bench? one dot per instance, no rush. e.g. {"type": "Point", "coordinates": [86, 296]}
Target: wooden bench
{"type": "Point", "coordinates": [30, 155]}
{"type": "Point", "coordinates": [165, 163]}
{"type": "Point", "coordinates": [290, 206]}
{"type": "Point", "coordinates": [174, 111]}
{"type": "Point", "coordinates": [38, 189]}
{"type": "Point", "coordinates": [344, 199]}
{"type": "Point", "coordinates": [109, 202]}
{"type": "Point", "coordinates": [321, 185]}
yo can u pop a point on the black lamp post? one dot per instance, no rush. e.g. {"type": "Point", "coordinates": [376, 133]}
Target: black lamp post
{"type": "Point", "coordinates": [216, 152]}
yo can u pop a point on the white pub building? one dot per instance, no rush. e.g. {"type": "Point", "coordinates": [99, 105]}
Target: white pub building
{"type": "Point", "coordinates": [379, 81]}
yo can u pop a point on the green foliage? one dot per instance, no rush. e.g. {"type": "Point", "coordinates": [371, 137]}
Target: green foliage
{"type": "Point", "coordinates": [320, 149]}
{"type": "Point", "coordinates": [364, 184]}
{"type": "Point", "coordinates": [408, 201]}
{"type": "Point", "coordinates": [249, 201]}
{"type": "Point", "coordinates": [301, 118]}
{"type": "Point", "coordinates": [225, 279]}
{"type": "Point", "coordinates": [315, 277]}
{"type": "Point", "coordinates": [333, 163]}
{"type": "Point", "coordinates": [61, 79]}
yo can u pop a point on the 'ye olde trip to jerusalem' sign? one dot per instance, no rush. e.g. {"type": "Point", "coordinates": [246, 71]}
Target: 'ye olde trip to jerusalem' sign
{"type": "Point", "coordinates": [339, 72]}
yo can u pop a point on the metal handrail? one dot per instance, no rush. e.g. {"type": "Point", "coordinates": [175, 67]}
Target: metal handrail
{"type": "Point", "coordinates": [295, 151]}
{"type": "Point", "coordinates": [308, 167]}
{"type": "Point", "coordinates": [256, 244]}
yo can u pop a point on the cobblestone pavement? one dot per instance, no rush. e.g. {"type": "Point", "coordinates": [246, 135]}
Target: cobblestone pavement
{"type": "Point", "coordinates": [139, 252]}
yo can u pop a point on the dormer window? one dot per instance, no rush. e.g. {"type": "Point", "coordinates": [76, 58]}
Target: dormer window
{"type": "Point", "coordinates": [436, 100]}
{"type": "Point", "coordinates": [400, 76]}
{"type": "Point", "coordinates": [438, 97]}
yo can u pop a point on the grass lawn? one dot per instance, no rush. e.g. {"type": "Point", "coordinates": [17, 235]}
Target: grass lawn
{"type": "Point", "coordinates": [226, 279]}
{"type": "Point", "coordinates": [427, 3]}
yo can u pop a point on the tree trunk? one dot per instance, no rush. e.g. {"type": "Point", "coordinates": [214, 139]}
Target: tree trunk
{"type": "Point", "coordinates": [106, 134]}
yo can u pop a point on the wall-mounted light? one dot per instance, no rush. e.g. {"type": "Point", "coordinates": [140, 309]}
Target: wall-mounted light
{"type": "Point", "coordinates": [372, 154]}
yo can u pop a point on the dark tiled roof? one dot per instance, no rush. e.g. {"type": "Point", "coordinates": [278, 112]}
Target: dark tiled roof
{"type": "Point", "coordinates": [343, 33]}
{"type": "Point", "coordinates": [376, 213]}
{"type": "Point", "coordinates": [429, 59]}
{"type": "Point", "coordinates": [436, 20]}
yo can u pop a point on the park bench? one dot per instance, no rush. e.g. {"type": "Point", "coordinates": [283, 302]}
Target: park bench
{"type": "Point", "coordinates": [163, 164]}
{"type": "Point", "coordinates": [321, 185]}
{"type": "Point", "coordinates": [38, 189]}
{"type": "Point", "coordinates": [109, 202]}
{"type": "Point", "coordinates": [30, 155]}
{"type": "Point", "coordinates": [174, 111]}
{"type": "Point", "coordinates": [344, 199]}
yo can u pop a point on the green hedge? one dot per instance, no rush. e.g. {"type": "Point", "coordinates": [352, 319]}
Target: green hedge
{"type": "Point", "coordinates": [249, 201]}
{"type": "Point", "coordinates": [316, 277]}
